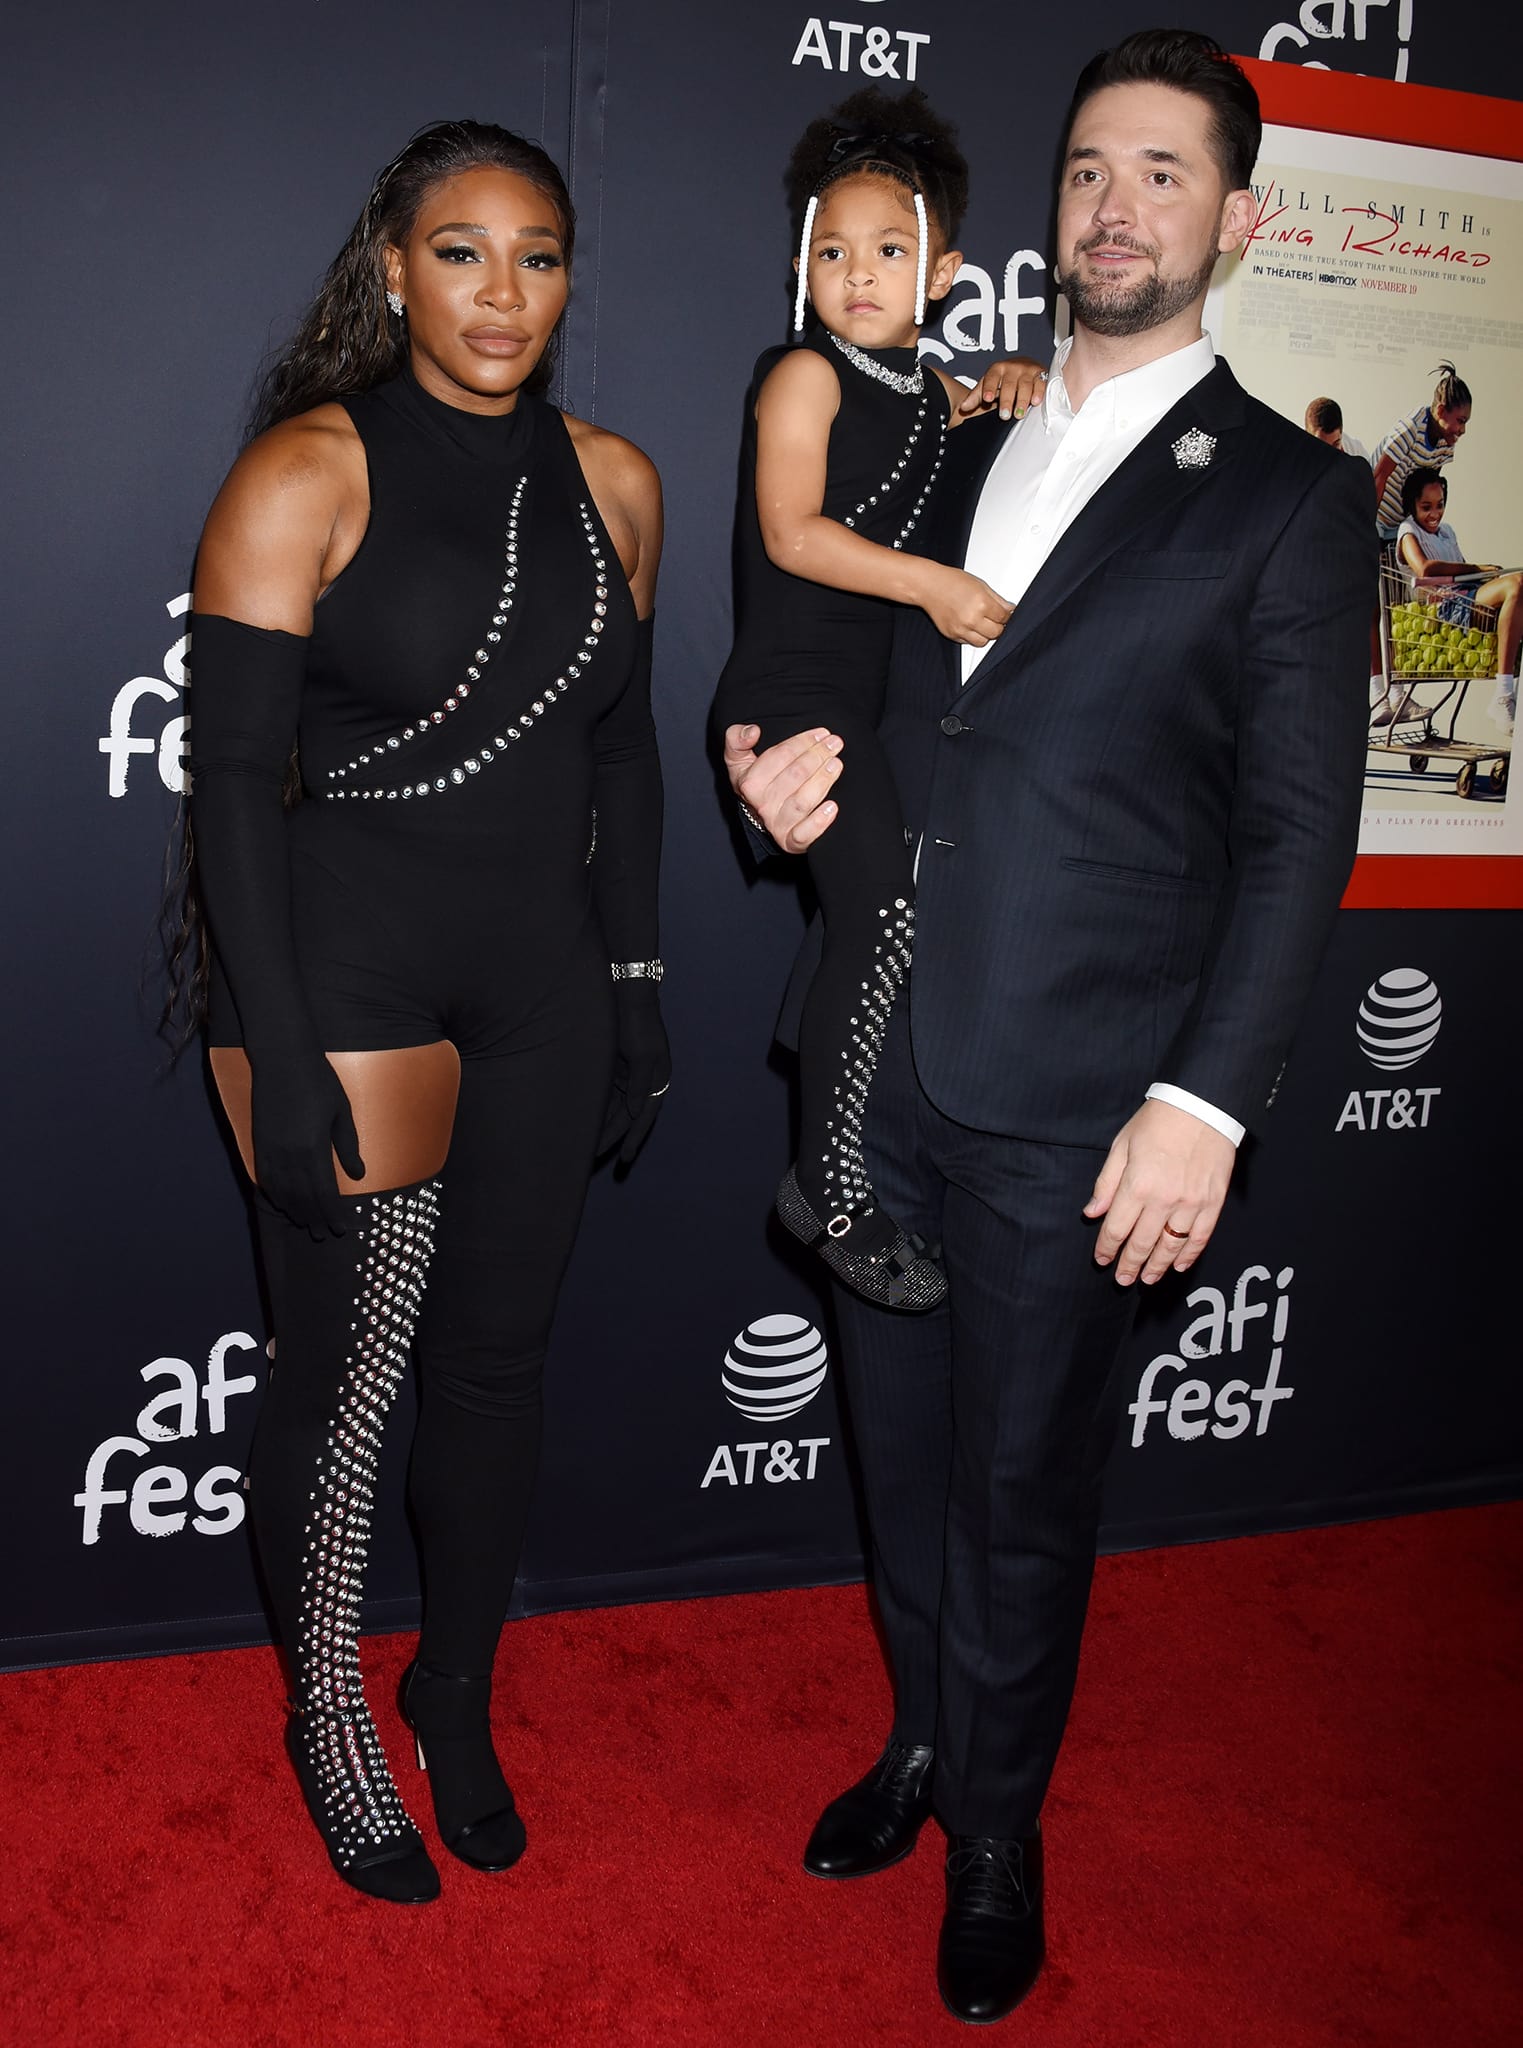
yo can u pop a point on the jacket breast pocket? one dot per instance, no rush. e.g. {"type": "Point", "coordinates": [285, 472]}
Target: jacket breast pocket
{"type": "Point", "coordinates": [1181, 565]}
{"type": "Point", "coordinates": [1107, 875]}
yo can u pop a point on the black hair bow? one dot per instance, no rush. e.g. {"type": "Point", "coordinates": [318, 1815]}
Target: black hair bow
{"type": "Point", "coordinates": [869, 142]}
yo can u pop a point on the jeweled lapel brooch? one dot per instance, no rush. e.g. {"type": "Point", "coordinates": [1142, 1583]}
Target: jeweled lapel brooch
{"type": "Point", "coordinates": [1195, 449]}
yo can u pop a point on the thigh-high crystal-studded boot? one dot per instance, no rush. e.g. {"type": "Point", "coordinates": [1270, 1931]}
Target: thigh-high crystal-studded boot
{"type": "Point", "coordinates": [345, 1309]}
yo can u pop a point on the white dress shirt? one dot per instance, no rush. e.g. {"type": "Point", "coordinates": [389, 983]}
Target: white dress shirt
{"type": "Point", "coordinates": [1050, 467]}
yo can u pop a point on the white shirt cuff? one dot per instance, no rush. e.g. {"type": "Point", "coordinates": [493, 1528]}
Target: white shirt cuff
{"type": "Point", "coordinates": [1181, 1098]}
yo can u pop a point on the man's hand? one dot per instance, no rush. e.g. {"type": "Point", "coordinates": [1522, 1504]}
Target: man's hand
{"type": "Point", "coordinates": [788, 787]}
{"type": "Point", "coordinates": [1160, 1191]}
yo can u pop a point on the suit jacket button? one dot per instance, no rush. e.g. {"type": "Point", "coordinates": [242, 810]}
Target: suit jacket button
{"type": "Point", "coordinates": [952, 725]}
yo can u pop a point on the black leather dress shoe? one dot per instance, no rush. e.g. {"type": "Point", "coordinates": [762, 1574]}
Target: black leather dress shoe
{"type": "Point", "coordinates": [992, 1944]}
{"type": "Point", "coordinates": [876, 1822]}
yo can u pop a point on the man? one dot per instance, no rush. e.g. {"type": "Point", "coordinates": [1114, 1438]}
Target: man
{"type": "Point", "coordinates": [1324, 418]}
{"type": "Point", "coordinates": [1136, 812]}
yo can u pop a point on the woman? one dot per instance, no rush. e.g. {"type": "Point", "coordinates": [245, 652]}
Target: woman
{"type": "Point", "coordinates": [427, 971]}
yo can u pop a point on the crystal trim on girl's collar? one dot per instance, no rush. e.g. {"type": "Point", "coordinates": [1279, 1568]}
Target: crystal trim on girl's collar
{"type": "Point", "coordinates": [909, 383]}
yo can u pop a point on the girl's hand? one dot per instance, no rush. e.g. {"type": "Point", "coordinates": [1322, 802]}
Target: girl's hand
{"type": "Point", "coordinates": [1014, 386]}
{"type": "Point", "coordinates": [963, 607]}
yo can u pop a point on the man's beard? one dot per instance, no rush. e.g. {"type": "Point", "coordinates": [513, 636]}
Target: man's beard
{"type": "Point", "coordinates": [1130, 309]}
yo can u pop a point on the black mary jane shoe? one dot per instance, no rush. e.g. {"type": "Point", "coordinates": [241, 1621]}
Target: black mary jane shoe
{"type": "Point", "coordinates": [876, 1822]}
{"type": "Point", "coordinates": [868, 1252]}
{"type": "Point", "coordinates": [992, 1943]}
{"type": "Point", "coordinates": [450, 1719]}
{"type": "Point", "coordinates": [370, 1841]}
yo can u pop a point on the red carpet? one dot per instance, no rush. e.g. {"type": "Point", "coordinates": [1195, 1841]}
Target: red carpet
{"type": "Point", "coordinates": [1288, 1816]}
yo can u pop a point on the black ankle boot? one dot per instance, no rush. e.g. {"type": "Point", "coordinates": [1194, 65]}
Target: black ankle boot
{"type": "Point", "coordinates": [451, 1723]}
{"type": "Point", "coordinates": [343, 1777]}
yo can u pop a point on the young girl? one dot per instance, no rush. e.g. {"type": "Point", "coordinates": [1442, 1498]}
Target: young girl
{"type": "Point", "coordinates": [1426, 439]}
{"type": "Point", "coordinates": [843, 443]}
{"type": "Point", "coordinates": [1431, 553]}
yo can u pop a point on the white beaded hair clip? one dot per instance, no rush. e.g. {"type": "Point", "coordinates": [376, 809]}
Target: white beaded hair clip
{"type": "Point", "coordinates": [802, 294]}
{"type": "Point", "coordinates": [922, 256]}
{"type": "Point", "coordinates": [920, 259]}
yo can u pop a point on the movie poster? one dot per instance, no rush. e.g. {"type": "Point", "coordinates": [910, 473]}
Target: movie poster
{"type": "Point", "coordinates": [1370, 264]}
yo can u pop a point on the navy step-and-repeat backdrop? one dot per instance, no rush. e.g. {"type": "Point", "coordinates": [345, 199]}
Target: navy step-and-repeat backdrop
{"type": "Point", "coordinates": [180, 177]}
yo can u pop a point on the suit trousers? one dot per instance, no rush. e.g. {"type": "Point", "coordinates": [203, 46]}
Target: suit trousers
{"type": "Point", "coordinates": [983, 1428]}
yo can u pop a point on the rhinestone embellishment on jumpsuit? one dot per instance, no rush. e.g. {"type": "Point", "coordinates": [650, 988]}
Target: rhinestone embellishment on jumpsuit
{"type": "Point", "coordinates": [484, 756]}
{"type": "Point", "coordinates": [847, 1187]}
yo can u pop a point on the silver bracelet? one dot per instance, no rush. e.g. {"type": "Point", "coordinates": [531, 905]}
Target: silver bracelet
{"type": "Point", "coordinates": [637, 970]}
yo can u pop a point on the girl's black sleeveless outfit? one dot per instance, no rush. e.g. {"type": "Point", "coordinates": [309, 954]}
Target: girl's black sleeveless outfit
{"type": "Point", "coordinates": [801, 646]}
{"type": "Point", "coordinates": [806, 655]}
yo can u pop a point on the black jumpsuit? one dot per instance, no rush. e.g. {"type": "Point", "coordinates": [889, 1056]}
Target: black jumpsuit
{"type": "Point", "coordinates": [474, 714]}
{"type": "Point", "coordinates": [806, 654]}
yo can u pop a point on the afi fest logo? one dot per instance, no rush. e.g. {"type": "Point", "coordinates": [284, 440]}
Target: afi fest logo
{"type": "Point", "coordinates": [1338, 21]}
{"type": "Point", "coordinates": [1191, 1407]}
{"type": "Point", "coordinates": [158, 1498]}
{"type": "Point", "coordinates": [1398, 1021]}
{"type": "Point", "coordinates": [120, 742]}
{"type": "Point", "coordinates": [774, 1368]}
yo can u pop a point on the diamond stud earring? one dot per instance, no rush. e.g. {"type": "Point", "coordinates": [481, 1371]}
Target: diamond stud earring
{"type": "Point", "coordinates": [394, 300]}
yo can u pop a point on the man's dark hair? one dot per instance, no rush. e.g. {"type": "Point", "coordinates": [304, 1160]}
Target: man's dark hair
{"type": "Point", "coordinates": [1192, 63]}
{"type": "Point", "coordinates": [1416, 484]}
{"type": "Point", "coordinates": [1324, 415]}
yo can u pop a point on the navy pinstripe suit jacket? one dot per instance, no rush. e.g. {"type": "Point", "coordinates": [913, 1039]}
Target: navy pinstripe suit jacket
{"type": "Point", "coordinates": [1140, 814]}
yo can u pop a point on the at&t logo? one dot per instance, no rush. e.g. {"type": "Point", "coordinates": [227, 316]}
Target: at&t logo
{"type": "Point", "coordinates": [1193, 1406]}
{"type": "Point", "coordinates": [860, 46]}
{"type": "Point", "coordinates": [120, 743]}
{"type": "Point", "coordinates": [1398, 1021]}
{"type": "Point", "coordinates": [153, 1498]}
{"type": "Point", "coordinates": [774, 1368]}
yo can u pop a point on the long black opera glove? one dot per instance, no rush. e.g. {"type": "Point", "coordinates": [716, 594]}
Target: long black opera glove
{"type": "Point", "coordinates": [626, 869]}
{"type": "Point", "coordinates": [248, 682]}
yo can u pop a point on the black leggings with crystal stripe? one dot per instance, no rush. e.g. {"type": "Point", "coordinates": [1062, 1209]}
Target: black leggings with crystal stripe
{"type": "Point", "coordinates": [863, 877]}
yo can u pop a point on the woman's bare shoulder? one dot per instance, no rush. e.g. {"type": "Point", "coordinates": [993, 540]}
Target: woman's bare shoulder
{"type": "Point", "coordinates": [614, 461]}
{"type": "Point", "coordinates": [315, 453]}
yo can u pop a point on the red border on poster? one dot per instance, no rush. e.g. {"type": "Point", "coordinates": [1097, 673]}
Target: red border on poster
{"type": "Point", "coordinates": [1342, 103]}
